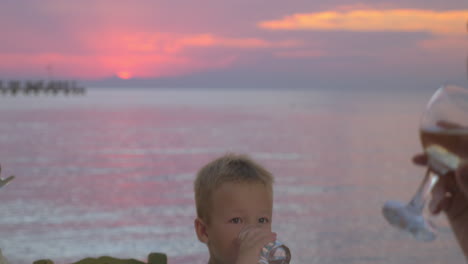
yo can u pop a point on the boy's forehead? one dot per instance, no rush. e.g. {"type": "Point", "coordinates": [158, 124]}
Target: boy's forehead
{"type": "Point", "coordinates": [239, 196]}
{"type": "Point", "coordinates": [243, 187]}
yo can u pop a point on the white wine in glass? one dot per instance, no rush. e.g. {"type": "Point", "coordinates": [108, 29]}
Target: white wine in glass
{"type": "Point", "coordinates": [444, 137]}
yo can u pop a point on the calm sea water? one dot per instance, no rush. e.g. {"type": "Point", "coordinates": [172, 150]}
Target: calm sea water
{"type": "Point", "coordinates": [111, 173]}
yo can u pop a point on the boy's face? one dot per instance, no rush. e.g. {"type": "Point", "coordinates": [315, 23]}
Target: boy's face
{"type": "Point", "coordinates": [233, 207]}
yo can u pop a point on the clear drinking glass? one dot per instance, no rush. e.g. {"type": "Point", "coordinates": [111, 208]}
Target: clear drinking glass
{"type": "Point", "coordinates": [444, 137]}
{"type": "Point", "coordinates": [275, 253]}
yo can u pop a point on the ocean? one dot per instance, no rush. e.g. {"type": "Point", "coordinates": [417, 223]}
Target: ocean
{"type": "Point", "coordinates": [111, 172]}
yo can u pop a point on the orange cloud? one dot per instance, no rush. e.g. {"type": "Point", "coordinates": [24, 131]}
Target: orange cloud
{"type": "Point", "coordinates": [367, 20]}
{"type": "Point", "coordinates": [209, 40]}
{"type": "Point", "coordinates": [174, 43]}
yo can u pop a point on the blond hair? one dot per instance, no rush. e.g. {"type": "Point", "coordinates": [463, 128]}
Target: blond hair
{"type": "Point", "coordinates": [227, 168]}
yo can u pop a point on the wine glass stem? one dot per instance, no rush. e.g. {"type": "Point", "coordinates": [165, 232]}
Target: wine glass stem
{"type": "Point", "coordinates": [418, 201]}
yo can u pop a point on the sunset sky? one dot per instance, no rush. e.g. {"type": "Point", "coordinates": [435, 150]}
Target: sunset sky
{"type": "Point", "coordinates": [243, 43]}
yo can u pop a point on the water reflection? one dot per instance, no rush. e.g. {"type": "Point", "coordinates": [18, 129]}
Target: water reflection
{"type": "Point", "coordinates": [116, 178]}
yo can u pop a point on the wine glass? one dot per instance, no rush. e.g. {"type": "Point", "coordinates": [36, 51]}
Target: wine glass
{"type": "Point", "coordinates": [444, 136]}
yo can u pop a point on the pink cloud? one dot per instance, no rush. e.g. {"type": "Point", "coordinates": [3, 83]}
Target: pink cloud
{"type": "Point", "coordinates": [144, 54]}
{"type": "Point", "coordinates": [92, 66]}
{"type": "Point", "coordinates": [304, 54]}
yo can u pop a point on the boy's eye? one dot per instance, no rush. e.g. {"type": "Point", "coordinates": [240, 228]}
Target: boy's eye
{"type": "Point", "coordinates": [263, 220]}
{"type": "Point", "coordinates": [235, 220]}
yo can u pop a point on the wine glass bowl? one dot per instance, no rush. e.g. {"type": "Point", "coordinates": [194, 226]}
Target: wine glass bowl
{"type": "Point", "coordinates": [444, 137]}
{"type": "Point", "coordinates": [447, 109]}
{"type": "Point", "coordinates": [444, 126]}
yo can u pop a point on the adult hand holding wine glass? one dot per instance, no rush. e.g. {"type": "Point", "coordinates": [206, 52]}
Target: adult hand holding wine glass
{"type": "Point", "coordinates": [444, 137]}
{"type": "Point", "coordinates": [450, 195]}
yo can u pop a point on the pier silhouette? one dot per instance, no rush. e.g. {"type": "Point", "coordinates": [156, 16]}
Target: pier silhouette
{"type": "Point", "coordinates": [16, 87]}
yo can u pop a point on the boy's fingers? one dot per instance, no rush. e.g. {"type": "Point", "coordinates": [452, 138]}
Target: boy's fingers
{"type": "Point", "coordinates": [265, 238]}
{"type": "Point", "coordinates": [251, 231]}
{"type": "Point", "coordinates": [245, 232]}
{"type": "Point", "coordinates": [254, 243]}
{"type": "Point", "coordinates": [420, 159]}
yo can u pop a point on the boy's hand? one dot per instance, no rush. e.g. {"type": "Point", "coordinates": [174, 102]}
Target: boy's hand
{"type": "Point", "coordinates": [251, 240]}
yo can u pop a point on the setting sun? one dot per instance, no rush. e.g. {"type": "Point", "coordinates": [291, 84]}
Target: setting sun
{"type": "Point", "coordinates": [124, 75]}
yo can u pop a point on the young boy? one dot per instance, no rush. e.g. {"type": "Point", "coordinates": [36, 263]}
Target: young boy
{"type": "Point", "coordinates": [234, 201]}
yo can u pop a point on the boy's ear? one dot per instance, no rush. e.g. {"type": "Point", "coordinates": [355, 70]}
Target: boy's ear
{"type": "Point", "coordinates": [200, 228]}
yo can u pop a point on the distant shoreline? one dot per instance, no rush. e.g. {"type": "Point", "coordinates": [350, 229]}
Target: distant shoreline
{"type": "Point", "coordinates": [36, 87]}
